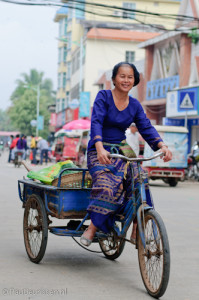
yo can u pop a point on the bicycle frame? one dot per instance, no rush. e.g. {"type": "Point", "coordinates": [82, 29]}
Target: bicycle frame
{"type": "Point", "coordinates": [131, 211]}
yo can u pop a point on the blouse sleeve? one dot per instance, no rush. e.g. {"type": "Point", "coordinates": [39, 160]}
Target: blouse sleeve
{"type": "Point", "coordinates": [148, 132]}
{"type": "Point", "coordinates": [98, 114]}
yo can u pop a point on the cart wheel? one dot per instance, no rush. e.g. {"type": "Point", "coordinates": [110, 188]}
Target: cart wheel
{"type": "Point", "coordinates": [154, 260]}
{"type": "Point", "coordinates": [112, 246]}
{"type": "Point", "coordinates": [35, 228]}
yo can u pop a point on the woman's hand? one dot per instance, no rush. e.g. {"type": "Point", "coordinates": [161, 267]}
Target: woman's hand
{"type": "Point", "coordinates": [102, 156]}
{"type": "Point", "coordinates": [167, 153]}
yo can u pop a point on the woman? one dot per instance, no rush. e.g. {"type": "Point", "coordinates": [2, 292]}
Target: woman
{"type": "Point", "coordinates": [113, 112]}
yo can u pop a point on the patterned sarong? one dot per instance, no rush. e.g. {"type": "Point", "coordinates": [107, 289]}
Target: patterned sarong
{"type": "Point", "coordinates": [110, 192]}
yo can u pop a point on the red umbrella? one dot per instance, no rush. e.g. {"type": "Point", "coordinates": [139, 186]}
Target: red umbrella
{"type": "Point", "coordinates": [78, 124]}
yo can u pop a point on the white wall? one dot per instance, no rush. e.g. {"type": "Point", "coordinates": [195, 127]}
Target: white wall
{"type": "Point", "coordinates": [102, 55]}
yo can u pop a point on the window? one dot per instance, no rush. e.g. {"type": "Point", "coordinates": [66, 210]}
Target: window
{"type": "Point", "coordinates": [73, 65]}
{"type": "Point", "coordinates": [63, 104]}
{"type": "Point", "coordinates": [59, 81]}
{"type": "Point", "coordinates": [63, 27]}
{"type": "Point", "coordinates": [64, 80]}
{"type": "Point", "coordinates": [69, 41]}
{"type": "Point", "coordinates": [130, 56]}
{"type": "Point", "coordinates": [65, 54]}
{"type": "Point", "coordinates": [127, 13]}
{"type": "Point", "coordinates": [59, 55]}
{"type": "Point", "coordinates": [67, 99]}
{"type": "Point", "coordinates": [60, 27]}
{"type": "Point", "coordinates": [68, 70]}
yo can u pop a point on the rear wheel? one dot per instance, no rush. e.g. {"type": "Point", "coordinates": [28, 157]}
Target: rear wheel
{"type": "Point", "coordinates": [112, 246]}
{"type": "Point", "coordinates": [35, 228]}
{"type": "Point", "coordinates": [154, 259]}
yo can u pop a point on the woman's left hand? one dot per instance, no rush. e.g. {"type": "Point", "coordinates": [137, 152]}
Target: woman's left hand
{"type": "Point", "coordinates": [167, 153]}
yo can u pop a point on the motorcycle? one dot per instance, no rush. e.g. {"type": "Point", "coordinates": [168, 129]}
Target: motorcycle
{"type": "Point", "coordinates": [18, 158]}
{"type": "Point", "coordinates": [193, 162]}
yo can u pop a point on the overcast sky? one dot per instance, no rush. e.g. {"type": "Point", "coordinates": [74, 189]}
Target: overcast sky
{"type": "Point", "coordinates": [27, 40]}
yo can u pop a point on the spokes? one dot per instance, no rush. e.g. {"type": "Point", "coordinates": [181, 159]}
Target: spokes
{"type": "Point", "coordinates": [108, 245]}
{"type": "Point", "coordinates": [34, 228]}
{"type": "Point", "coordinates": [153, 254]}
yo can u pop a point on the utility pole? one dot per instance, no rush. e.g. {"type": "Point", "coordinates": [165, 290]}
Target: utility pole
{"type": "Point", "coordinates": [38, 98]}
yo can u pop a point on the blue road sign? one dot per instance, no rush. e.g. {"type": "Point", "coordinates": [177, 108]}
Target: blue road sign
{"type": "Point", "coordinates": [187, 99]}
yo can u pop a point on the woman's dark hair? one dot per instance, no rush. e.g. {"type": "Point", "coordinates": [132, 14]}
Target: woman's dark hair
{"type": "Point", "coordinates": [136, 73]}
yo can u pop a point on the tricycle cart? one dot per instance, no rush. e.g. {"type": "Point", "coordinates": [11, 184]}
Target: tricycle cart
{"type": "Point", "coordinates": [69, 199]}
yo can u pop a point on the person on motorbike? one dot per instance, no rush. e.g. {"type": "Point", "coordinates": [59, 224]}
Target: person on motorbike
{"type": "Point", "coordinates": [21, 147]}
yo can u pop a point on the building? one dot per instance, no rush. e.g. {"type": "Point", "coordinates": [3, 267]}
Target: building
{"type": "Point", "coordinates": [172, 73]}
{"type": "Point", "coordinates": [100, 29]}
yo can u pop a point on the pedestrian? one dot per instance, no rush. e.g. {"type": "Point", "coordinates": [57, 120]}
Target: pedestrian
{"type": "Point", "coordinates": [13, 146]}
{"type": "Point", "coordinates": [10, 149]}
{"type": "Point", "coordinates": [33, 148]}
{"type": "Point", "coordinates": [113, 112]}
{"type": "Point", "coordinates": [42, 144]}
{"type": "Point", "coordinates": [132, 138]}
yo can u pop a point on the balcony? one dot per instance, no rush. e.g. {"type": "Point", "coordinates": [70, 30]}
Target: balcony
{"type": "Point", "coordinates": [157, 89]}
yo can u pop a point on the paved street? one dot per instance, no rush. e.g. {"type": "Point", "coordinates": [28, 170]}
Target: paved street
{"type": "Point", "coordinates": [72, 273]}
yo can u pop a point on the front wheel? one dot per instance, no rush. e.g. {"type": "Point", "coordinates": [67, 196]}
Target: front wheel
{"type": "Point", "coordinates": [35, 228]}
{"type": "Point", "coordinates": [154, 259]}
{"type": "Point", "coordinates": [172, 181]}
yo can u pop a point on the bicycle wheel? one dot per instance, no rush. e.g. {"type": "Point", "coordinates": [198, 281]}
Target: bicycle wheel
{"type": "Point", "coordinates": [154, 260]}
{"type": "Point", "coordinates": [112, 246]}
{"type": "Point", "coordinates": [35, 228]}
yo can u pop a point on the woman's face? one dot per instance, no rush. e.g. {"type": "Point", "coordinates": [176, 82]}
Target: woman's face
{"type": "Point", "coordinates": [124, 79]}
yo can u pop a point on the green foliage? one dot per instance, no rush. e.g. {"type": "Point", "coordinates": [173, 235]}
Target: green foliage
{"type": "Point", "coordinates": [194, 35]}
{"type": "Point", "coordinates": [24, 102]}
{"type": "Point", "coordinates": [5, 124]}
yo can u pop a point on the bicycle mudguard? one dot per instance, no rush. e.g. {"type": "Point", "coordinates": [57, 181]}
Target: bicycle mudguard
{"type": "Point", "coordinates": [143, 206]}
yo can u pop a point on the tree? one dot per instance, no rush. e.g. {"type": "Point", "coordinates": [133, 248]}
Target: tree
{"type": "Point", "coordinates": [5, 124]}
{"type": "Point", "coordinates": [24, 102]}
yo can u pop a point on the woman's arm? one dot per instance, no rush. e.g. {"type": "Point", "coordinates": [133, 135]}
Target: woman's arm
{"type": "Point", "coordinates": [97, 119]}
{"type": "Point", "coordinates": [150, 134]}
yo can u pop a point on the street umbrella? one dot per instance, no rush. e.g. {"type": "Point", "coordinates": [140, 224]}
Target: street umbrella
{"type": "Point", "coordinates": [78, 124]}
{"type": "Point", "coordinates": [60, 133]}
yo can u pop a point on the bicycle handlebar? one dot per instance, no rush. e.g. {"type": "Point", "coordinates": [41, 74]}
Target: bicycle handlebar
{"type": "Point", "coordinates": [136, 158]}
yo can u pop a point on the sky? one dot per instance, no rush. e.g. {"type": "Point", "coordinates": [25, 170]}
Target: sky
{"type": "Point", "coordinates": [27, 41]}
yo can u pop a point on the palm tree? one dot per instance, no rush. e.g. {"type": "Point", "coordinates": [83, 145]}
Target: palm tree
{"type": "Point", "coordinates": [24, 99]}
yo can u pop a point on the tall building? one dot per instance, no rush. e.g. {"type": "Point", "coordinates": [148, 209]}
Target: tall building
{"type": "Point", "coordinates": [172, 73]}
{"type": "Point", "coordinates": [93, 37]}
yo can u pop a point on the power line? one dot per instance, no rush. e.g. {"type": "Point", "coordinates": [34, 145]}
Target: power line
{"type": "Point", "coordinates": [140, 13]}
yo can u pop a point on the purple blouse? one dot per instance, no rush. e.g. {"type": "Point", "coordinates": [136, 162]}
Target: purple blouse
{"type": "Point", "coordinates": [108, 124]}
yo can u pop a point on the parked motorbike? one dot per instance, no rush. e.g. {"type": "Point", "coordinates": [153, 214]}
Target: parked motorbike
{"type": "Point", "coordinates": [193, 162]}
